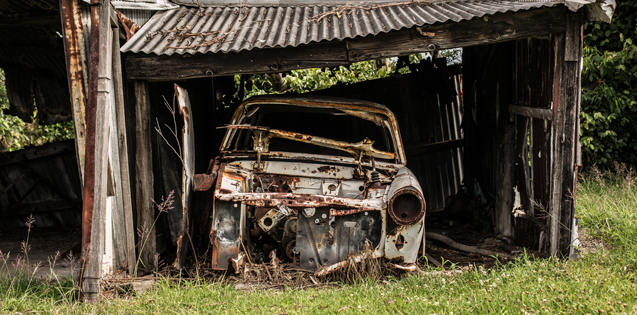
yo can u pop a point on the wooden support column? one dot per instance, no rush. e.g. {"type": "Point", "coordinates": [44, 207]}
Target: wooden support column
{"type": "Point", "coordinates": [96, 172]}
{"type": "Point", "coordinates": [144, 175]}
{"type": "Point", "coordinates": [76, 57]}
{"type": "Point", "coordinates": [556, 152]}
{"type": "Point", "coordinates": [126, 226]}
{"type": "Point", "coordinates": [570, 91]}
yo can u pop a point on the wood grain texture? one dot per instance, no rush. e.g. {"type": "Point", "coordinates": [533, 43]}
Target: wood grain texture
{"type": "Point", "coordinates": [122, 144]}
{"type": "Point", "coordinates": [144, 190]}
{"type": "Point", "coordinates": [93, 266]}
{"type": "Point", "coordinates": [571, 91]}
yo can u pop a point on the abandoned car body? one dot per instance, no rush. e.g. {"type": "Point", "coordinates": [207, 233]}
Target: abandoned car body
{"type": "Point", "coordinates": [318, 179]}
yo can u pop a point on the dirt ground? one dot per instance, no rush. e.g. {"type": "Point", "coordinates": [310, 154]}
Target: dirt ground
{"type": "Point", "coordinates": [44, 244]}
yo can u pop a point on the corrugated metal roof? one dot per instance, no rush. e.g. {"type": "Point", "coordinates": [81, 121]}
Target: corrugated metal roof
{"type": "Point", "coordinates": [189, 30]}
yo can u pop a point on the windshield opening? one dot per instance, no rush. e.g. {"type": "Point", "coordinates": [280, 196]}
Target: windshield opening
{"type": "Point", "coordinates": [328, 123]}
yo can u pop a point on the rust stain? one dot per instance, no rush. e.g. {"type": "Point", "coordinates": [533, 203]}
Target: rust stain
{"type": "Point", "coordinates": [328, 169]}
{"type": "Point", "coordinates": [233, 175]}
{"type": "Point", "coordinates": [203, 182]}
{"type": "Point", "coordinates": [342, 212]}
{"type": "Point", "coordinates": [130, 27]}
{"type": "Point", "coordinates": [75, 59]}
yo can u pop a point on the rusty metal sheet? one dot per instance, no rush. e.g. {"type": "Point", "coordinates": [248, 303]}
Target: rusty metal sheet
{"type": "Point", "coordinates": [188, 173]}
{"type": "Point", "coordinates": [235, 28]}
{"type": "Point", "coordinates": [75, 54]}
{"type": "Point", "coordinates": [225, 236]}
{"type": "Point", "coordinates": [356, 149]}
{"type": "Point", "coordinates": [297, 200]}
{"type": "Point", "coordinates": [323, 240]}
{"type": "Point", "coordinates": [203, 182]}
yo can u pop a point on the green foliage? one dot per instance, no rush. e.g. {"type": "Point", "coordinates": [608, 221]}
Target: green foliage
{"type": "Point", "coordinates": [609, 74]}
{"type": "Point", "coordinates": [309, 80]}
{"type": "Point", "coordinates": [605, 203]}
{"type": "Point", "coordinates": [612, 36]}
{"type": "Point", "coordinates": [608, 112]}
{"type": "Point", "coordinates": [15, 134]}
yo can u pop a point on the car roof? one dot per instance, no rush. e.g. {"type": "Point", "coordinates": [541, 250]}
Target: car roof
{"type": "Point", "coordinates": [318, 101]}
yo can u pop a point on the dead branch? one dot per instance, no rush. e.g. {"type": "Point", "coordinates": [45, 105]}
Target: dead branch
{"type": "Point", "coordinates": [173, 132]}
{"type": "Point", "coordinates": [465, 248]}
{"type": "Point", "coordinates": [347, 7]}
{"type": "Point", "coordinates": [215, 40]}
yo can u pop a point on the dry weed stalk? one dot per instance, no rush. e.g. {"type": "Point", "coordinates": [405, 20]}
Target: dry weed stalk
{"type": "Point", "coordinates": [144, 231]}
{"type": "Point", "coordinates": [173, 131]}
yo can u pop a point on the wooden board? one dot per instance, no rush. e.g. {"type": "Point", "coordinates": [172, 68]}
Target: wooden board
{"type": "Point", "coordinates": [188, 173]}
{"type": "Point", "coordinates": [144, 190]}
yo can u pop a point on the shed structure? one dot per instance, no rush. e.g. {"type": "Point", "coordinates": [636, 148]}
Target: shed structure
{"type": "Point", "coordinates": [519, 142]}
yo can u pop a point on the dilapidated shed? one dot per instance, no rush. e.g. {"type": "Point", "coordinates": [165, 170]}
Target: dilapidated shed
{"type": "Point", "coordinates": [512, 137]}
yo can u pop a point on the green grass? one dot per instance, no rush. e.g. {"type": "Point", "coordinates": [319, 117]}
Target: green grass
{"type": "Point", "coordinates": [600, 282]}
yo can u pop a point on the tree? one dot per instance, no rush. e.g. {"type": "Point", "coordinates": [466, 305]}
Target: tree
{"type": "Point", "coordinates": [609, 76]}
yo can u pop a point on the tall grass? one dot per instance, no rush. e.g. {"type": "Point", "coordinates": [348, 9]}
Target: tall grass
{"type": "Point", "coordinates": [607, 205]}
{"type": "Point", "coordinates": [600, 282]}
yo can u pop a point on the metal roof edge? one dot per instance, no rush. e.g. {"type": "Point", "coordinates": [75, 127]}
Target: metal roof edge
{"type": "Point", "coordinates": [143, 6]}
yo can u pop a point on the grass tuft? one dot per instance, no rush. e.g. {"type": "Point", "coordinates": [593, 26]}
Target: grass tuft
{"type": "Point", "coordinates": [602, 281]}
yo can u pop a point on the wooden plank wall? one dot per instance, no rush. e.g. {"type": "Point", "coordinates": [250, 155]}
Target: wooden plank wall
{"type": "Point", "coordinates": [428, 111]}
{"type": "Point", "coordinates": [535, 68]}
{"type": "Point", "coordinates": [488, 90]}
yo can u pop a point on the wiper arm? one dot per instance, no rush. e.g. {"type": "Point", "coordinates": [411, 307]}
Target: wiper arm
{"type": "Point", "coordinates": [359, 150]}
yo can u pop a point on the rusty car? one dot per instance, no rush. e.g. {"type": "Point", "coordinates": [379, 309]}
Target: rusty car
{"type": "Point", "coordinates": [318, 179]}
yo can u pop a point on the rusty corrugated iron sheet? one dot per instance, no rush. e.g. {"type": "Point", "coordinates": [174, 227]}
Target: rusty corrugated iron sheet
{"type": "Point", "coordinates": [189, 30]}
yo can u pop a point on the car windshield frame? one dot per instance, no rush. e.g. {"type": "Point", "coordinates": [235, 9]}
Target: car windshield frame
{"type": "Point", "coordinates": [369, 111]}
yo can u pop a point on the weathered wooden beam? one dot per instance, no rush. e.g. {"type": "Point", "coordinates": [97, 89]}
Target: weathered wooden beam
{"type": "Point", "coordinates": [434, 147]}
{"type": "Point", "coordinates": [37, 152]}
{"type": "Point", "coordinates": [144, 191]}
{"type": "Point", "coordinates": [96, 177]}
{"type": "Point", "coordinates": [571, 91]}
{"type": "Point", "coordinates": [177, 67]}
{"type": "Point", "coordinates": [122, 144]}
{"type": "Point", "coordinates": [504, 181]}
{"type": "Point", "coordinates": [530, 23]}
{"type": "Point", "coordinates": [540, 113]}
{"type": "Point", "coordinates": [76, 57]}
{"type": "Point", "coordinates": [461, 34]}
{"type": "Point", "coordinates": [558, 131]}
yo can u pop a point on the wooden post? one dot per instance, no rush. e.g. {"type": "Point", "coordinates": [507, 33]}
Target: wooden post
{"type": "Point", "coordinates": [102, 85]}
{"type": "Point", "coordinates": [571, 93]}
{"type": "Point", "coordinates": [125, 185]}
{"type": "Point", "coordinates": [556, 142]}
{"type": "Point", "coordinates": [144, 175]}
